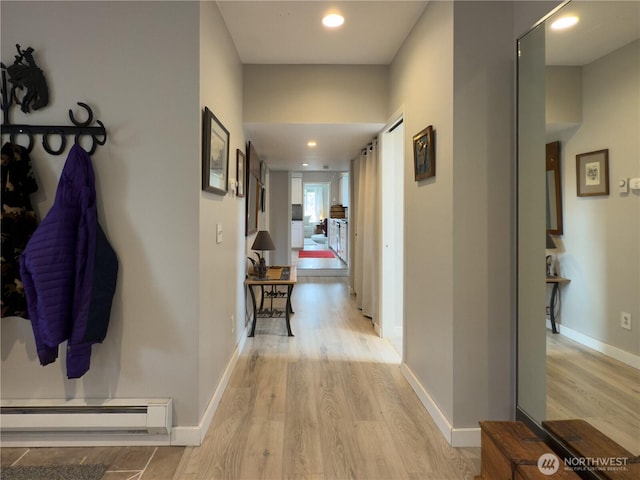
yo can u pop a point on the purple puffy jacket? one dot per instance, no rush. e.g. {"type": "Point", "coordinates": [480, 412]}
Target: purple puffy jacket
{"type": "Point", "coordinates": [69, 271]}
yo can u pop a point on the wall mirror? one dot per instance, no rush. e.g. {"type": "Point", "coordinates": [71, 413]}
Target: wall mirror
{"type": "Point", "coordinates": [580, 89]}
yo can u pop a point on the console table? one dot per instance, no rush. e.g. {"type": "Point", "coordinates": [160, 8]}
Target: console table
{"type": "Point", "coordinates": [555, 281]}
{"type": "Point", "coordinates": [276, 276]}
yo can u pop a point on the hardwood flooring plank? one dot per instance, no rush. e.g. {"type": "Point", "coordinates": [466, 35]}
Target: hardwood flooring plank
{"type": "Point", "coordinates": [263, 455]}
{"type": "Point", "coordinates": [385, 461]}
{"type": "Point", "coordinates": [302, 457]}
{"type": "Point", "coordinates": [583, 383]}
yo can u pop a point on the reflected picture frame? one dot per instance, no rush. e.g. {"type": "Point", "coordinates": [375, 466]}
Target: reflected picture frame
{"type": "Point", "coordinates": [241, 169]}
{"type": "Point", "coordinates": [424, 154]}
{"type": "Point", "coordinates": [215, 154]}
{"type": "Point", "coordinates": [592, 173]}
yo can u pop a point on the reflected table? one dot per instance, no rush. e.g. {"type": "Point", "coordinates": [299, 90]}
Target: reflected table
{"type": "Point", "coordinates": [277, 276]}
{"type": "Point", "coordinates": [555, 281]}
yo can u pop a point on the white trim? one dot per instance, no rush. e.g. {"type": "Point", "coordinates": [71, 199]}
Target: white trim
{"type": "Point", "coordinates": [193, 436]}
{"type": "Point", "coordinates": [456, 437]}
{"type": "Point", "coordinates": [604, 348]}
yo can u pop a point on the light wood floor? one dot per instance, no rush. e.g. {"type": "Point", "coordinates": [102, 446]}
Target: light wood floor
{"type": "Point", "coordinates": [583, 383]}
{"type": "Point", "coordinates": [329, 403]}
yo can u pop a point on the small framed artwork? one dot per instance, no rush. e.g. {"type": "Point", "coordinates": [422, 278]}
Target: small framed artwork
{"type": "Point", "coordinates": [241, 168]}
{"type": "Point", "coordinates": [424, 154]}
{"type": "Point", "coordinates": [215, 154]}
{"type": "Point", "coordinates": [592, 173]}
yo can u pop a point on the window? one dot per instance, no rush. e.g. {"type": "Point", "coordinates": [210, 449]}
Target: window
{"type": "Point", "coordinates": [316, 201]}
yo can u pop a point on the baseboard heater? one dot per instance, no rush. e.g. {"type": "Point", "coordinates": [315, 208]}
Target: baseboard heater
{"type": "Point", "coordinates": [148, 416]}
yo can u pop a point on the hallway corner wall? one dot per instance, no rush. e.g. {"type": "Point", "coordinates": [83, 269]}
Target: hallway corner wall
{"type": "Point", "coordinates": [459, 225]}
{"type": "Point", "coordinates": [222, 264]}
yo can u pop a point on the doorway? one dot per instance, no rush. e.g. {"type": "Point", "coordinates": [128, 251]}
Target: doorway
{"type": "Point", "coordinates": [317, 257]}
{"type": "Point", "coordinates": [392, 277]}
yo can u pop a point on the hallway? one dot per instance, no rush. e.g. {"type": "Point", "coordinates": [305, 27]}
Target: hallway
{"type": "Point", "coordinates": [329, 403]}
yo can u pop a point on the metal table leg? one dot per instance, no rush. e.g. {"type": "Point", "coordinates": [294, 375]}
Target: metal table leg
{"type": "Point", "coordinates": [289, 310]}
{"type": "Point", "coordinates": [255, 312]}
{"type": "Point", "coordinates": [552, 307]}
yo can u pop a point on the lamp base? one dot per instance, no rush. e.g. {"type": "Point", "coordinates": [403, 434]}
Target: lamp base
{"type": "Point", "coordinates": [261, 269]}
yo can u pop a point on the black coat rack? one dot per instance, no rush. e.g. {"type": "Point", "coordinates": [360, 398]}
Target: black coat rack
{"type": "Point", "coordinates": [24, 75]}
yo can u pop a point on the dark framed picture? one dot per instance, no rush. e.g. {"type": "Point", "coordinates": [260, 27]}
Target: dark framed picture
{"type": "Point", "coordinates": [241, 169]}
{"type": "Point", "coordinates": [592, 173]}
{"type": "Point", "coordinates": [424, 154]}
{"type": "Point", "coordinates": [215, 154]}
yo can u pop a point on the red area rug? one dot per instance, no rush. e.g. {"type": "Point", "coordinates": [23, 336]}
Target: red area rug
{"type": "Point", "coordinates": [315, 254]}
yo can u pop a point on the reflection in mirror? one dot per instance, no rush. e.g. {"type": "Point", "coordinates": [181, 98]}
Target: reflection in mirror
{"type": "Point", "coordinates": [554, 189]}
{"type": "Point", "coordinates": [581, 87]}
{"type": "Point", "coordinates": [253, 194]}
{"type": "Point", "coordinates": [253, 189]}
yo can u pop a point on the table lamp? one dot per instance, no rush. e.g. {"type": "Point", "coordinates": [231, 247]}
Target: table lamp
{"type": "Point", "coordinates": [551, 245]}
{"type": "Point", "coordinates": [262, 242]}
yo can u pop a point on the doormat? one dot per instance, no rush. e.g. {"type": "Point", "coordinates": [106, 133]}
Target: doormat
{"type": "Point", "coordinates": [315, 254]}
{"type": "Point", "coordinates": [54, 472]}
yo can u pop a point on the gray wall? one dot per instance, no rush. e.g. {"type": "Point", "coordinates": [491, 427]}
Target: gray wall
{"type": "Point", "coordinates": [600, 250]}
{"type": "Point", "coordinates": [459, 270]}
{"type": "Point", "coordinates": [315, 93]}
{"type": "Point", "coordinates": [280, 216]}
{"type": "Point", "coordinates": [170, 333]}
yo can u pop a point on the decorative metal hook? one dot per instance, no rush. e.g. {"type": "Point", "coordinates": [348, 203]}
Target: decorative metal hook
{"type": "Point", "coordinates": [79, 129]}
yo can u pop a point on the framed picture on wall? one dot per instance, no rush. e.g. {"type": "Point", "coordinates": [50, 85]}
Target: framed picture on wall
{"type": "Point", "coordinates": [424, 154]}
{"type": "Point", "coordinates": [592, 173]}
{"type": "Point", "coordinates": [241, 168]}
{"type": "Point", "coordinates": [215, 154]}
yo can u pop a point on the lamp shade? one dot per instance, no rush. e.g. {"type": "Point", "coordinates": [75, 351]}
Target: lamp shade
{"type": "Point", "coordinates": [263, 241]}
{"type": "Point", "coordinates": [551, 245]}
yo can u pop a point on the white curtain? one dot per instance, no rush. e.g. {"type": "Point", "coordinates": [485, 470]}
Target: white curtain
{"type": "Point", "coordinates": [366, 235]}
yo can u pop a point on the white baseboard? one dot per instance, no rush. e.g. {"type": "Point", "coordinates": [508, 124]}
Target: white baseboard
{"type": "Point", "coordinates": [604, 348]}
{"type": "Point", "coordinates": [456, 437]}
{"type": "Point", "coordinates": [193, 436]}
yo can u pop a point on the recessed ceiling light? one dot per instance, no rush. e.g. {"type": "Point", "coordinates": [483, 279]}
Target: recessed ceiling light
{"type": "Point", "coordinates": [564, 22]}
{"type": "Point", "coordinates": [333, 20]}
{"type": "Point", "coordinates": [305, 164]}
{"type": "Point", "coordinates": [311, 143]}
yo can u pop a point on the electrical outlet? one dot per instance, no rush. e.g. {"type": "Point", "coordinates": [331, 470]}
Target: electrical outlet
{"type": "Point", "coordinates": [625, 320]}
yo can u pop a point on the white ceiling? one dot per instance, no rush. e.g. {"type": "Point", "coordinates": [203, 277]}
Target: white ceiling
{"type": "Point", "coordinates": [603, 27]}
{"type": "Point", "coordinates": [290, 32]}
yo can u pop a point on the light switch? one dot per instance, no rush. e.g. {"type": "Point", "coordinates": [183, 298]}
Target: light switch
{"type": "Point", "coordinates": [623, 185]}
{"type": "Point", "coordinates": [218, 233]}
